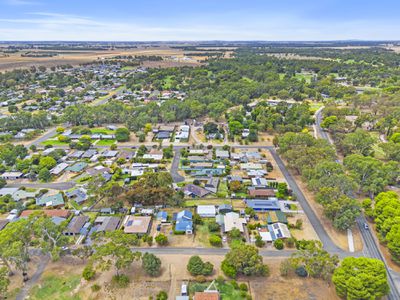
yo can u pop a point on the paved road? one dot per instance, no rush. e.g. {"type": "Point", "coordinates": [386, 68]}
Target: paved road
{"type": "Point", "coordinates": [175, 166]}
{"type": "Point", "coordinates": [329, 245]}
{"type": "Point", "coordinates": [49, 134]}
{"type": "Point", "coordinates": [50, 185]}
{"type": "Point", "coordinates": [371, 248]}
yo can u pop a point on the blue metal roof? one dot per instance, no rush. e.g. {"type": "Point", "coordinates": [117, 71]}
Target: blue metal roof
{"type": "Point", "coordinates": [263, 205]}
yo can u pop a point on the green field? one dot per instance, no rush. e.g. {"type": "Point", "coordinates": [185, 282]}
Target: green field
{"type": "Point", "coordinates": [56, 287]}
{"type": "Point", "coordinates": [54, 143]}
{"type": "Point", "coordinates": [105, 142]}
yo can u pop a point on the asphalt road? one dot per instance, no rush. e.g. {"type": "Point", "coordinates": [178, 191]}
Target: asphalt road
{"type": "Point", "coordinates": [50, 185]}
{"type": "Point", "coordinates": [371, 248]}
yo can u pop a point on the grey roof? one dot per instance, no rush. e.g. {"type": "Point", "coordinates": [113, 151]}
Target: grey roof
{"type": "Point", "coordinates": [76, 224]}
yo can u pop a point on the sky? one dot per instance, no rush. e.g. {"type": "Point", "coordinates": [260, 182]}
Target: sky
{"type": "Point", "coordinates": [190, 20]}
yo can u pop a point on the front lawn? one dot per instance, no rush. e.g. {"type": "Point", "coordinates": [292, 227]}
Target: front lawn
{"type": "Point", "coordinates": [105, 142]}
{"type": "Point", "coordinates": [56, 287]}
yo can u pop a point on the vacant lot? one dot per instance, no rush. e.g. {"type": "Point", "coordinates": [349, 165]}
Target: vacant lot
{"type": "Point", "coordinates": [62, 280]}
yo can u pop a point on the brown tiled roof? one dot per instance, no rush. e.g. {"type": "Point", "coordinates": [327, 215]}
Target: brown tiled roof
{"type": "Point", "coordinates": [62, 213]}
{"type": "Point", "coordinates": [262, 193]}
{"type": "Point", "coordinates": [206, 296]}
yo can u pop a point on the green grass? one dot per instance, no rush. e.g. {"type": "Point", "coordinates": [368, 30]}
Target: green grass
{"type": "Point", "coordinates": [226, 290]}
{"type": "Point", "coordinates": [54, 143]}
{"type": "Point", "coordinates": [306, 77]}
{"type": "Point", "coordinates": [192, 203]}
{"type": "Point", "coordinates": [127, 68]}
{"type": "Point", "coordinates": [222, 190]}
{"type": "Point", "coordinates": [105, 142]}
{"type": "Point", "coordinates": [167, 82]}
{"type": "Point", "coordinates": [101, 131]}
{"type": "Point", "coordinates": [56, 287]}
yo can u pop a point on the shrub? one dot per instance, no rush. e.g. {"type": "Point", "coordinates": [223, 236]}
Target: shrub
{"type": "Point", "coordinates": [278, 244]}
{"type": "Point", "coordinates": [162, 296]}
{"type": "Point", "coordinates": [95, 288]}
{"type": "Point", "coordinates": [213, 226]}
{"type": "Point", "coordinates": [259, 242]}
{"type": "Point", "coordinates": [151, 264]}
{"type": "Point", "coordinates": [196, 266]}
{"type": "Point", "coordinates": [215, 240]}
{"type": "Point", "coordinates": [161, 239]}
{"type": "Point", "coordinates": [234, 284]}
{"type": "Point", "coordinates": [149, 240]}
{"type": "Point", "coordinates": [301, 271]}
{"type": "Point", "coordinates": [290, 242]}
{"type": "Point", "coordinates": [88, 272]}
{"type": "Point", "coordinates": [243, 287]}
{"type": "Point", "coordinates": [120, 281]}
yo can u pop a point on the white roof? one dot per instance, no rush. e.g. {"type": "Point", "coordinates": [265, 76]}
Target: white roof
{"type": "Point", "coordinates": [232, 220]}
{"type": "Point", "coordinates": [8, 191]}
{"type": "Point", "coordinates": [206, 210]}
{"type": "Point", "coordinates": [265, 236]}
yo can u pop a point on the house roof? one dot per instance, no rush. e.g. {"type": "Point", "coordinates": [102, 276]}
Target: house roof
{"type": "Point", "coordinates": [137, 224]}
{"type": "Point", "coordinates": [77, 167]}
{"type": "Point", "coordinates": [195, 190]}
{"type": "Point", "coordinates": [8, 191]}
{"type": "Point", "coordinates": [50, 200]}
{"type": "Point", "coordinates": [279, 231]}
{"type": "Point", "coordinates": [184, 214]}
{"type": "Point", "coordinates": [206, 210]}
{"type": "Point", "coordinates": [214, 295]}
{"type": "Point", "coordinates": [107, 223]}
{"type": "Point", "coordinates": [232, 220]}
{"type": "Point", "coordinates": [62, 213]}
{"type": "Point", "coordinates": [76, 224]}
{"type": "Point", "coordinates": [262, 193]}
{"type": "Point", "coordinates": [183, 225]}
{"type": "Point", "coordinates": [269, 204]}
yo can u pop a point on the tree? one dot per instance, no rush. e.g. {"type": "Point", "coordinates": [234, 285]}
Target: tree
{"type": "Point", "coordinates": [196, 266]}
{"type": "Point", "coordinates": [316, 261]}
{"type": "Point", "coordinates": [3, 183]}
{"type": "Point", "coordinates": [161, 239]}
{"type": "Point", "coordinates": [235, 186]}
{"type": "Point", "coordinates": [44, 175]}
{"type": "Point", "coordinates": [88, 272]}
{"type": "Point", "coordinates": [278, 244]}
{"type": "Point", "coordinates": [358, 142]}
{"type": "Point", "coordinates": [168, 152]}
{"type": "Point", "coordinates": [215, 240]}
{"type": "Point", "coordinates": [47, 162]}
{"type": "Point", "coordinates": [51, 235]}
{"type": "Point", "coordinates": [15, 241]}
{"type": "Point", "coordinates": [116, 252]}
{"type": "Point", "coordinates": [243, 260]}
{"type": "Point", "coordinates": [122, 134]}
{"type": "Point", "coordinates": [151, 264]}
{"type": "Point", "coordinates": [162, 295]}
{"type": "Point", "coordinates": [361, 278]}
{"type": "Point", "coordinates": [4, 281]}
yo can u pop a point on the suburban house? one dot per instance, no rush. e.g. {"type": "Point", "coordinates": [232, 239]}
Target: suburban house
{"type": "Point", "coordinates": [212, 184]}
{"type": "Point", "coordinates": [232, 220]}
{"type": "Point", "coordinates": [195, 191]}
{"type": "Point", "coordinates": [263, 205]}
{"type": "Point", "coordinates": [184, 222]}
{"type": "Point", "coordinates": [89, 153]}
{"type": "Point", "coordinates": [261, 193]}
{"type": "Point", "coordinates": [106, 223]}
{"type": "Point", "coordinates": [279, 231]}
{"type": "Point", "coordinates": [11, 175]}
{"type": "Point", "coordinates": [137, 224]}
{"type": "Point", "coordinates": [76, 225]}
{"type": "Point", "coordinates": [162, 216]}
{"type": "Point", "coordinates": [231, 178]}
{"type": "Point", "coordinates": [57, 170]}
{"type": "Point", "coordinates": [259, 182]}
{"type": "Point", "coordinates": [77, 167]}
{"type": "Point", "coordinates": [206, 295]}
{"type": "Point", "coordinates": [60, 213]}
{"type": "Point", "coordinates": [109, 153]}
{"type": "Point", "coordinates": [222, 154]}
{"type": "Point", "coordinates": [50, 200]}
{"type": "Point", "coordinates": [78, 195]}
{"type": "Point", "coordinates": [206, 211]}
